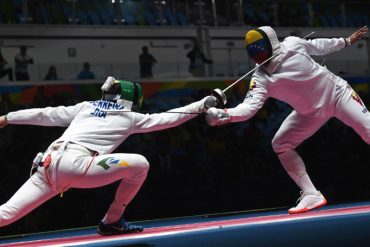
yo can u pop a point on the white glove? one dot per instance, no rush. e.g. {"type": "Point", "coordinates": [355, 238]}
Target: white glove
{"type": "Point", "coordinates": [208, 102]}
{"type": "Point", "coordinates": [107, 84]}
{"type": "Point", "coordinates": [217, 117]}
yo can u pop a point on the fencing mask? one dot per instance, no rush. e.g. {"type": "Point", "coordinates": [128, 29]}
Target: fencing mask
{"type": "Point", "coordinates": [262, 43]}
{"type": "Point", "coordinates": [126, 93]}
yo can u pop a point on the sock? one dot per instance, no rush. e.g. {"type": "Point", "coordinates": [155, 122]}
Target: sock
{"type": "Point", "coordinates": [124, 194]}
{"type": "Point", "coordinates": [296, 169]}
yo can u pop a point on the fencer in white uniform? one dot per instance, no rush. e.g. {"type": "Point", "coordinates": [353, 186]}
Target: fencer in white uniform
{"type": "Point", "coordinates": [314, 93]}
{"type": "Point", "coordinates": [82, 157]}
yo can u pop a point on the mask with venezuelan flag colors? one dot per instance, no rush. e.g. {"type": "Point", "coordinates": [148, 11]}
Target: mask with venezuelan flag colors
{"type": "Point", "coordinates": [261, 44]}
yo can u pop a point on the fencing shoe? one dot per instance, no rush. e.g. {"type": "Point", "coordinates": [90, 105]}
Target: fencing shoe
{"type": "Point", "coordinates": [307, 202]}
{"type": "Point", "coordinates": [119, 227]}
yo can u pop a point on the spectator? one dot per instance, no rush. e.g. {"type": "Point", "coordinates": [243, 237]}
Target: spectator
{"type": "Point", "coordinates": [40, 99]}
{"type": "Point", "coordinates": [6, 104]}
{"type": "Point", "coordinates": [5, 71]}
{"type": "Point", "coordinates": [197, 62]}
{"type": "Point", "coordinates": [21, 63]}
{"type": "Point", "coordinates": [146, 63]}
{"type": "Point", "coordinates": [52, 74]}
{"type": "Point", "coordinates": [85, 73]}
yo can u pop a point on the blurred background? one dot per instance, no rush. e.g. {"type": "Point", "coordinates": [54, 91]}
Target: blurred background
{"type": "Point", "coordinates": [59, 52]}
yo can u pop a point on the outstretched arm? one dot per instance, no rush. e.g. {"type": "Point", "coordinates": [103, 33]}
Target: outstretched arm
{"type": "Point", "coordinates": [49, 116]}
{"type": "Point", "coordinates": [323, 46]}
{"type": "Point", "coordinates": [159, 121]}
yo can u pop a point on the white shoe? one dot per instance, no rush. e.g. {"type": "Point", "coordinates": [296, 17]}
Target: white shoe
{"type": "Point", "coordinates": [308, 202]}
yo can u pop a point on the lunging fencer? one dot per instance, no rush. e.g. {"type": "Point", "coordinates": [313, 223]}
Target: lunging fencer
{"type": "Point", "coordinates": [314, 93]}
{"type": "Point", "coordinates": [82, 157]}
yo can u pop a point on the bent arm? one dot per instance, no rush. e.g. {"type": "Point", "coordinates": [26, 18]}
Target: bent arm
{"type": "Point", "coordinates": [49, 116]}
{"type": "Point", "coordinates": [254, 101]}
{"type": "Point", "coordinates": [172, 118]}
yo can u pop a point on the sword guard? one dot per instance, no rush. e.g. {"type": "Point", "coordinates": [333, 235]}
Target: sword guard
{"type": "Point", "coordinates": [220, 96]}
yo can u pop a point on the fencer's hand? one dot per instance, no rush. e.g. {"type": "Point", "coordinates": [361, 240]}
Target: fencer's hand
{"type": "Point", "coordinates": [3, 122]}
{"type": "Point", "coordinates": [217, 117]}
{"type": "Point", "coordinates": [359, 34]}
{"type": "Point", "coordinates": [108, 84]}
{"type": "Point", "coordinates": [210, 101]}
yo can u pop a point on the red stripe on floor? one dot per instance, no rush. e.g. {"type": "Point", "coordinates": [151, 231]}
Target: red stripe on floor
{"type": "Point", "coordinates": [191, 227]}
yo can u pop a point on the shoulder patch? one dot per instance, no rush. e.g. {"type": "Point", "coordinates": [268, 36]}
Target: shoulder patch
{"type": "Point", "coordinates": [252, 85]}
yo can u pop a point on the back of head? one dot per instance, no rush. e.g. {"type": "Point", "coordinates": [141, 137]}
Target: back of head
{"type": "Point", "coordinates": [262, 43]}
{"type": "Point", "coordinates": [129, 94]}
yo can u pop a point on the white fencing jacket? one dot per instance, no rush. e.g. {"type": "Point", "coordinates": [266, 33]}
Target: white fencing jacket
{"type": "Point", "coordinates": [294, 78]}
{"type": "Point", "coordinates": [101, 125]}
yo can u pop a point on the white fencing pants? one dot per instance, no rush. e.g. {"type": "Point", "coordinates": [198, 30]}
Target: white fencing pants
{"type": "Point", "coordinates": [78, 169]}
{"type": "Point", "coordinates": [296, 128]}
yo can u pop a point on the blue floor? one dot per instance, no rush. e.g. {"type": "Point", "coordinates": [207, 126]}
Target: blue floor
{"type": "Point", "coordinates": [343, 230]}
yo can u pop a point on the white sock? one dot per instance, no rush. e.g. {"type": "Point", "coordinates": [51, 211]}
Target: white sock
{"type": "Point", "coordinates": [296, 169]}
{"type": "Point", "coordinates": [124, 194]}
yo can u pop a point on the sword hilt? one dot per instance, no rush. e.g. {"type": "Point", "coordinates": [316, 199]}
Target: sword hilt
{"type": "Point", "coordinates": [220, 97]}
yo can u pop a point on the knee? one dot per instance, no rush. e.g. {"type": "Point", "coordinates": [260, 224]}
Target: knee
{"type": "Point", "coordinates": [139, 170]}
{"type": "Point", "coordinates": [279, 146]}
{"type": "Point", "coordinates": [6, 215]}
{"type": "Point", "coordinates": [366, 137]}
{"type": "Point", "coordinates": [142, 163]}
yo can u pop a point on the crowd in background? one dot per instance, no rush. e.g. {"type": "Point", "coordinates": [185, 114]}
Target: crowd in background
{"type": "Point", "coordinates": [195, 169]}
{"type": "Point", "coordinates": [197, 63]}
{"type": "Point", "coordinates": [21, 62]}
{"type": "Point", "coordinates": [330, 13]}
